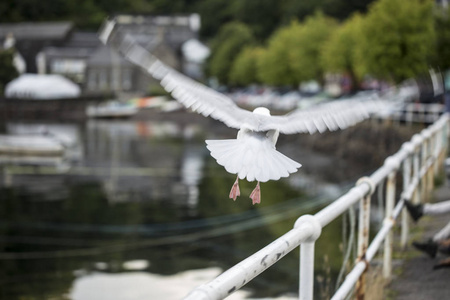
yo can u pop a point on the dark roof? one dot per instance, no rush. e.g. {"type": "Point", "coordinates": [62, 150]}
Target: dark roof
{"type": "Point", "coordinates": [83, 40]}
{"type": "Point", "coordinates": [36, 31]}
{"type": "Point", "coordinates": [79, 45]}
{"type": "Point", "coordinates": [159, 20]}
{"type": "Point", "coordinates": [68, 52]}
{"type": "Point", "coordinates": [105, 57]}
{"type": "Point", "coordinates": [174, 30]}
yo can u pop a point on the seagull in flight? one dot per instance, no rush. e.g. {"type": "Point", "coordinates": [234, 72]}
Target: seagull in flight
{"type": "Point", "coordinates": [252, 155]}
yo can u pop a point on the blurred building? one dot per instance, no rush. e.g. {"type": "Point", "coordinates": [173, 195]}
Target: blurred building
{"type": "Point", "coordinates": [31, 38]}
{"type": "Point", "coordinates": [69, 59]}
{"type": "Point", "coordinates": [173, 39]}
{"type": "Point", "coordinates": [57, 48]}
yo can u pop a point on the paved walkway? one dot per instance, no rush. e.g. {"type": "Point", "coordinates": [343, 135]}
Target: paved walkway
{"type": "Point", "coordinates": [417, 279]}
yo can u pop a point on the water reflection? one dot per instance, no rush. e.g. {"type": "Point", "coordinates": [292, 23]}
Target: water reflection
{"type": "Point", "coordinates": [140, 285]}
{"type": "Point", "coordinates": [144, 191]}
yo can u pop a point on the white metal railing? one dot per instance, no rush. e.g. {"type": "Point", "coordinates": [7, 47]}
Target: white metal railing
{"type": "Point", "coordinates": [419, 159]}
{"type": "Point", "coordinates": [415, 112]}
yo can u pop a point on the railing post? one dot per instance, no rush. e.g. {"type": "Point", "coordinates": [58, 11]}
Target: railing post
{"type": "Point", "coordinates": [409, 113]}
{"type": "Point", "coordinates": [416, 140]}
{"type": "Point", "coordinates": [423, 160]}
{"type": "Point", "coordinates": [363, 234]}
{"type": "Point", "coordinates": [406, 181]}
{"type": "Point", "coordinates": [390, 195]}
{"type": "Point", "coordinates": [429, 178]}
{"type": "Point", "coordinates": [436, 151]}
{"type": "Point", "coordinates": [423, 113]}
{"type": "Point", "coordinates": [444, 140]}
{"type": "Point", "coordinates": [363, 242]}
{"type": "Point", "coordinates": [306, 284]}
{"type": "Point", "coordinates": [306, 287]}
{"type": "Point", "coordinates": [431, 146]}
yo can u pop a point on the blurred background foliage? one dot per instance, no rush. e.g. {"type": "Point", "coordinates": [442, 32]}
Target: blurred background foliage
{"type": "Point", "coordinates": [285, 42]}
{"type": "Point", "coordinates": [7, 70]}
{"type": "Point", "coordinates": [262, 16]}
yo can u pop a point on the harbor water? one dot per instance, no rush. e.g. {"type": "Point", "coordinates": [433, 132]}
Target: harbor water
{"type": "Point", "coordinates": [138, 209]}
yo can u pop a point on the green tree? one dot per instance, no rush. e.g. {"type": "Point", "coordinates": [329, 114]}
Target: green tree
{"type": "Point", "coordinates": [305, 57]}
{"type": "Point", "coordinates": [90, 18]}
{"type": "Point", "coordinates": [274, 65]}
{"type": "Point", "coordinates": [262, 16]}
{"type": "Point", "coordinates": [338, 54]}
{"type": "Point", "coordinates": [7, 70]}
{"type": "Point", "coordinates": [232, 38]}
{"type": "Point", "coordinates": [343, 9]}
{"type": "Point", "coordinates": [244, 69]}
{"type": "Point", "coordinates": [214, 14]}
{"type": "Point", "coordinates": [299, 10]}
{"type": "Point", "coordinates": [338, 9]}
{"type": "Point", "coordinates": [399, 38]}
{"type": "Point", "coordinates": [33, 10]}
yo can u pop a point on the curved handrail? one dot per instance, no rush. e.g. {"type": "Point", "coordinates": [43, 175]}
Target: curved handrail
{"type": "Point", "coordinates": [425, 151]}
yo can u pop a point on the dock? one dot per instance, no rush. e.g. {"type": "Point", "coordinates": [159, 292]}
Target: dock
{"type": "Point", "coordinates": [29, 145]}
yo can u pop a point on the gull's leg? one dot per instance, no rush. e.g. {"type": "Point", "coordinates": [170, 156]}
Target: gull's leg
{"type": "Point", "coordinates": [235, 192]}
{"type": "Point", "coordinates": [256, 194]}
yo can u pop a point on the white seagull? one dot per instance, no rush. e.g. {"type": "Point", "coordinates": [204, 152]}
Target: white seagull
{"type": "Point", "coordinates": [252, 155]}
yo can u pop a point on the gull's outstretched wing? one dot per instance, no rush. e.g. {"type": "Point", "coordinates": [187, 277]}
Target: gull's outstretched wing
{"type": "Point", "coordinates": [208, 102]}
{"type": "Point", "coordinates": [340, 114]}
{"type": "Point", "coordinates": [333, 115]}
{"type": "Point", "coordinates": [188, 92]}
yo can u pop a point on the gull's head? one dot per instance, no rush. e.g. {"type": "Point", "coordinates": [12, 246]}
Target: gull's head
{"type": "Point", "coordinates": [262, 111]}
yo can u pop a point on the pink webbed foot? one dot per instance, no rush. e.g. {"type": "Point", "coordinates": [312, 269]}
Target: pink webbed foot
{"type": "Point", "coordinates": [256, 194]}
{"type": "Point", "coordinates": [235, 192]}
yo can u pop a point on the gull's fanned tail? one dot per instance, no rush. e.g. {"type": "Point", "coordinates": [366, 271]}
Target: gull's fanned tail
{"type": "Point", "coordinates": [253, 159]}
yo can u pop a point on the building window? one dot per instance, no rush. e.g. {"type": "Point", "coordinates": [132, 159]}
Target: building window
{"type": "Point", "coordinates": [115, 79]}
{"type": "Point", "coordinates": [103, 80]}
{"type": "Point", "coordinates": [68, 66]}
{"type": "Point", "coordinates": [126, 79]}
{"type": "Point", "coordinates": [92, 80]}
